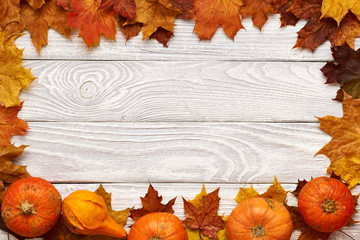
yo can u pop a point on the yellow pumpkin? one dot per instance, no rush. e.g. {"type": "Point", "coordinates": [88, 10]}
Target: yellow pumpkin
{"type": "Point", "coordinates": [85, 213]}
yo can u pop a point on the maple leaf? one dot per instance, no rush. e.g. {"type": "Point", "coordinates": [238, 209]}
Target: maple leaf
{"type": "Point", "coordinates": [9, 12]}
{"type": "Point", "coordinates": [36, 3]}
{"type": "Point", "coordinates": [286, 16]}
{"type": "Point", "coordinates": [186, 7]}
{"type": "Point", "coordinates": [210, 14]}
{"type": "Point", "coordinates": [64, 4]}
{"type": "Point", "coordinates": [344, 148]}
{"type": "Point", "coordinates": [275, 192]}
{"type": "Point", "coordinates": [202, 214]}
{"type": "Point", "coordinates": [337, 9]}
{"type": "Point", "coordinates": [13, 77]}
{"type": "Point", "coordinates": [62, 232]}
{"type": "Point", "coordinates": [131, 30]}
{"type": "Point", "coordinates": [10, 125]}
{"type": "Point", "coordinates": [152, 203]}
{"type": "Point", "coordinates": [154, 14]}
{"type": "Point", "coordinates": [344, 71]}
{"type": "Point", "coordinates": [92, 21]}
{"type": "Point", "coordinates": [162, 35]}
{"type": "Point", "coordinates": [259, 9]}
{"type": "Point", "coordinates": [299, 186]}
{"type": "Point", "coordinates": [9, 172]}
{"type": "Point", "coordinates": [125, 8]}
{"type": "Point", "coordinates": [38, 21]}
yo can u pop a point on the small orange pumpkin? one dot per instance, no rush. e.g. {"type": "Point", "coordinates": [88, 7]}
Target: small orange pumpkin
{"type": "Point", "coordinates": [259, 219]}
{"type": "Point", "coordinates": [31, 207]}
{"type": "Point", "coordinates": [158, 226]}
{"type": "Point", "coordinates": [85, 213]}
{"type": "Point", "coordinates": [326, 204]}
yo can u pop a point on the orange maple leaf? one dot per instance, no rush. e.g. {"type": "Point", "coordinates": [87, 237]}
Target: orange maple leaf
{"type": "Point", "coordinates": [259, 9]}
{"type": "Point", "coordinates": [152, 203]}
{"type": "Point", "coordinates": [92, 21]}
{"type": "Point", "coordinates": [10, 124]}
{"type": "Point", "coordinates": [154, 14]}
{"type": "Point", "coordinates": [344, 147]}
{"type": "Point", "coordinates": [9, 12]}
{"type": "Point", "coordinates": [210, 14]}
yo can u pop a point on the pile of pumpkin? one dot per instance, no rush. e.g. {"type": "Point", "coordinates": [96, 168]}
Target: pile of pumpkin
{"type": "Point", "coordinates": [32, 206]}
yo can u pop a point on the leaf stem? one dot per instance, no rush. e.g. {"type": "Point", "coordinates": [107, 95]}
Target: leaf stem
{"type": "Point", "coordinates": [346, 234]}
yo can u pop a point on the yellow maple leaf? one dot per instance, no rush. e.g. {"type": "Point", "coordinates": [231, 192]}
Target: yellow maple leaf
{"type": "Point", "coordinates": [13, 77]}
{"type": "Point", "coordinates": [154, 14]}
{"type": "Point", "coordinates": [245, 193]}
{"type": "Point", "coordinates": [337, 9]}
{"type": "Point", "coordinates": [344, 147]}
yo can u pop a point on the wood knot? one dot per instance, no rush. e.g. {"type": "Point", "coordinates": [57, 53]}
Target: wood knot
{"type": "Point", "coordinates": [88, 89]}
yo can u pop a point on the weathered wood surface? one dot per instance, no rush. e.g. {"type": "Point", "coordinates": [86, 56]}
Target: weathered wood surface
{"type": "Point", "coordinates": [173, 152]}
{"type": "Point", "coordinates": [128, 195]}
{"type": "Point", "coordinates": [178, 91]}
{"type": "Point", "coordinates": [271, 44]}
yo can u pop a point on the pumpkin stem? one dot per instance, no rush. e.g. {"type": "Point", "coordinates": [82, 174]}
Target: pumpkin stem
{"type": "Point", "coordinates": [329, 206]}
{"type": "Point", "coordinates": [258, 231]}
{"type": "Point", "coordinates": [27, 208]}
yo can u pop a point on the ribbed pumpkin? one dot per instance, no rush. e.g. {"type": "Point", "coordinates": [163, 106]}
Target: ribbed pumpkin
{"type": "Point", "coordinates": [158, 226]}
{"type": "Point", "coordinates": [31, 207]}
{"type": "Point", "coordinates": [85, 213]}
{"type": "Point", "coordinates": [326, 204]}
{"type": "Point", "coordinates": [259, 219]}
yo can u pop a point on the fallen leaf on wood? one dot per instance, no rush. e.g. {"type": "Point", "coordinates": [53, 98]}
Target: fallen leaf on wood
{"type": "Point", "coordinates": [125, 8]}
{"type": "Point", "coordinates": [202, 216]}
{"type": "Point", "coordinates": [10, 124]}
{"type": "Point", "coordinates": [186, 7]}
{"type": "Point", "coordinates": [61, 231]}
{"type": "Point", "coordinates": [152, 203]}
{"type": "Point", "coordinates": [13, 76]}
{"type": "Point", "coordinates": [337, 9]}
{"type": "Point", "coordinates": [344, 148]}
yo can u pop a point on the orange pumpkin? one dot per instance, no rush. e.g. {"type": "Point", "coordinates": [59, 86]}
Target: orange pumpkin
{"type": "Point", "coordinates": [326, 204]}
{"type": "Point", "coordinates": [158, 226]}
{"type": "Point", "coordinates": [259, 219]}
{"type": "Point", "coordinates": [31, 206]}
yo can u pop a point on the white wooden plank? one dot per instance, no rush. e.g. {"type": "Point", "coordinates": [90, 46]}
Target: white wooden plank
{"type": "Point", "coordinates": [178, 91]}
{"type": "Point", "coordinates": [128, 195]}
{"type": "Point", "coordinates": [272, 43]}
{"type": "Point", "coordinates": [3, 235]}
{"type": "Point", "coordinates": [173, 152]}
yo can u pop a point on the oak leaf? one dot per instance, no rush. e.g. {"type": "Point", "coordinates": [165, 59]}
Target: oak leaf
{"type": "Point", "coordinates": [259, 9]}
{"type": "Point", "coordinates": [154, 14]}
{"type": "Point", "coordinates": [62, 232]}
{"type": "Point", "coordinates": [344, 71]}
{"type": "Point", "coordinates": [9, 12]}
{"type": "Point", "coordinates": [210, 14]}
{"type": "Point", "coordinates": [9, 172]}
{"type": "Point", "coordinates": [152, 203]}
{"type": "Point", "coordinates": [337, 9]}
{"type": "Point", "coordinates": [10, 124]}
{"type": "Point", "coordinates": [344, 148]}
{"type": "Point", "coordinates": [275, 191]}
{"type": "Point", "coordinates": [202, 214]}
{"type": "Point", "coordinates": [13, 77]}
{"type": "Point", "coordinates": [125, 8]}
{"type": "Point", "coordinates": [92, 20]}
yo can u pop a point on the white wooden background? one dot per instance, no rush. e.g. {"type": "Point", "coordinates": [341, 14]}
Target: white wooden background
{"type": "Point", "coordinates": [225, 113]}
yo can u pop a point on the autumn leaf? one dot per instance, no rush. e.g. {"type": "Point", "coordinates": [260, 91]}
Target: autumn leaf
{"type": "Point", "coordinates": [259, 9]}
{"type": "Point", "coordinates": [162, 35]}
{"type": "Point", "coordinates": [202, 214]}
{"type": "Point", "coordinates": [154, 14]}
{"type": "Point", "coordinates": [275, 192]}
{"type": "Point", "coordinates": [9, 172]}
{"type": "Point", "coordinates": [64, 4]}
{"type": "Point", "coordinates": [344, 147]}
{"type": "Point", "coordinates": [92, 21]}
{"type": "Point", "coordinates": [299, 186]}
{"type": "Point", "coordinates": [337, 9]}
{"type": "Point", "coordinates": [210, 14]}
{"type": "Point", "coordinates": [10, 125]}
{"type": "Point", "coordinates": [152, 203]}
{"type": "Point", "coordinates": [186, 7]}
{"type": "Point", "coordinates": [344, 71]}
{"type": "Point", "coordinates": [125, 8]}
{"type": "Point", "coordinates": [38, 21]}
{"type": "Point", "coordinates": [9, 12]}
{"type": "Point", "coordinates": [286, 16]}
{"type": "Point", "coordinates": [36, 3]}
{"type": "Point", "coordinates": [13, 77]}
{"type": "Point", "coordinates": [131, 30]}
{"type": "Point", "coordinates": [61, 231]}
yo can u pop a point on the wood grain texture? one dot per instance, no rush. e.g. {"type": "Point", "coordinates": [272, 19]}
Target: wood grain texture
{"type": "Point", "coordinates": [173, 152]}
{"type": "Point", "coordinates": [128, 195]}
{"type": "Point", "coordinates": [272, 44]}
{"type": "Point", "coordinates": [178, 91]}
